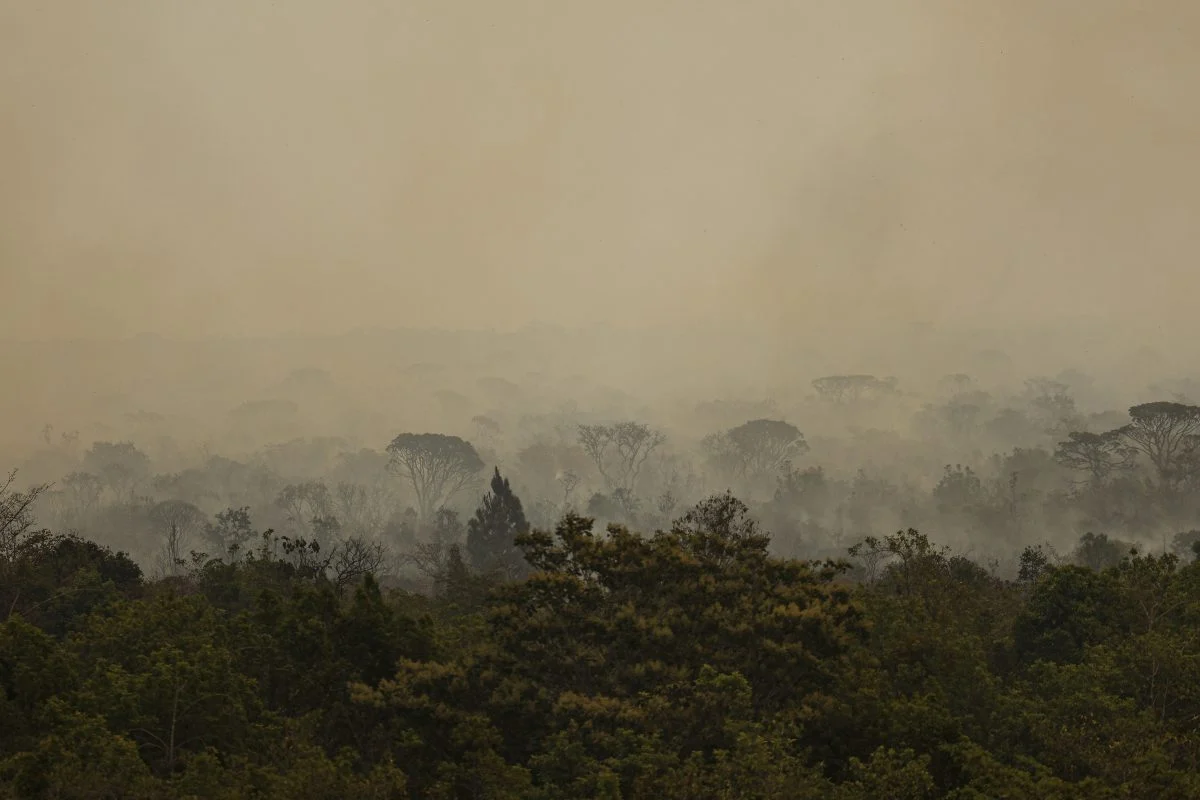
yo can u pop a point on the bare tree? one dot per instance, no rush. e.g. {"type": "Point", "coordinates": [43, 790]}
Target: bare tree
{"type": "Point", "coordinates": [179, 523]}
{"type": "Point", "coordinates": [595, 441]}
{"type": "Point", "coordinates": [428, 558]}
{"type": "Point", "coordinates": [437, 466]}
{"type": "Point", "coordinates": [354, 558]}
{"type": "Point", "coordinates": [170, 558]}
{"type": "Point", "coordinates": [569, 481]}
{"type": "Point", "coordinates": [619, 451]}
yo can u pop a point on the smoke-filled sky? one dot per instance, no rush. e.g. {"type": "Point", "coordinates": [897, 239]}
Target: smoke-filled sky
{"type": "Point", "coordinates": [249, 167]}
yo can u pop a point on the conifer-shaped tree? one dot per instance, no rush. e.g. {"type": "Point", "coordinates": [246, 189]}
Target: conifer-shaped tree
{"type": "Point", "coordinates": [492, 532]}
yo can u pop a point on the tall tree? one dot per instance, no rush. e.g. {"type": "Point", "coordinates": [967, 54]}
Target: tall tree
{"type": "Point", "coordinates": [178, 522]}
{"type": "Point", "coordinates": [1163, 432]}
{"type": "Point", "coordinates": [1098, 455]}
{"type": "Point", "coordinates": [437, 466]}
{"type": "Point", "coordinates": [763, 445]}
{"type": "Point", "coordinates": [492, 532]}
{"type": "Point", "coordinates": [619, 451]}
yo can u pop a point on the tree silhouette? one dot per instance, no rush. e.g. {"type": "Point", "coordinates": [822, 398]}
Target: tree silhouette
{"type": "Point", "coordinates": [1163, 432]}
{"type": "Point", "coordinates": [121, 466]}
{"type": "Point", "coordinates": [438, 466]}
{"type": "Point", "coordinates": [492, 532]}
{"type": "Point", "coordinates": [1096, 454]}
{"type": "Point", "coordinates": [763, 445]}
{"type": "Point", "coordinates": [620, 450]}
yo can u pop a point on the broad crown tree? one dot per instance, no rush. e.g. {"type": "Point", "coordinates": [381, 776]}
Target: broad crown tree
{"type": "Point", "coordinates": [437, 466]}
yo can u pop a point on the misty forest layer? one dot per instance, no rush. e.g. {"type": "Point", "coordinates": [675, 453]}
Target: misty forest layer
{"type": "Point", "coordinates": [565, 604]}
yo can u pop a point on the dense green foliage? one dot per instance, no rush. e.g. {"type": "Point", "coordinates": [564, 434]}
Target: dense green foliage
{"type": "Point", "coordinates": [690, 663]}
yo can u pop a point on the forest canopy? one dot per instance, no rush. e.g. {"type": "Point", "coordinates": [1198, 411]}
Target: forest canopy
{"type": "Point", "coordinates": [688, 662]}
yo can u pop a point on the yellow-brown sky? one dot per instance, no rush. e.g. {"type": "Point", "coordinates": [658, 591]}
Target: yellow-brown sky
{"type": "Point", "coordinates": [242, 166]}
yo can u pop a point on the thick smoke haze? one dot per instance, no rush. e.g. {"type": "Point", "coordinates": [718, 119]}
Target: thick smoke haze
{"type": "Point", "coordinates": [248, 168]}
{"type": "Point", "coordinates": [861, 335]}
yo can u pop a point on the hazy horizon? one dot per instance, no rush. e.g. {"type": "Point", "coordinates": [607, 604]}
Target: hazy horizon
{"type": "Point", "coordinates": [676, 200]}
{"type": "Point", "coordinates": [250, 169]}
